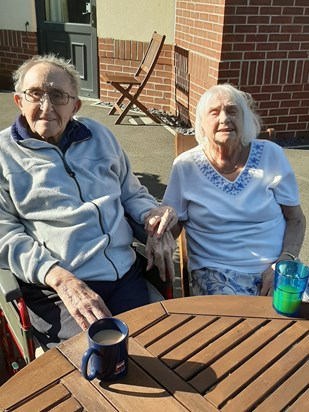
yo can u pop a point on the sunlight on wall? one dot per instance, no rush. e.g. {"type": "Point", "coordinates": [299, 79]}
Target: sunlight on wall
{"type": "Point", "coordinates": [135, 19]}
{"type": "Point", "coordinates": [14, 17]}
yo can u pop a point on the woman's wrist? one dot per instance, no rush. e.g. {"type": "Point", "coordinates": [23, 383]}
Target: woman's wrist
{"type": "Point", "coordinates": [286, 256]}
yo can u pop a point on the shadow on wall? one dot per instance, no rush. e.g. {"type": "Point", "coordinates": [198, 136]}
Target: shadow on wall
{"type": "Point", "coordinates": [153, 184]}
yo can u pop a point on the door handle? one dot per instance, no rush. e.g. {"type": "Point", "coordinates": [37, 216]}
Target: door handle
{"type": "Point", "coordinates": [88, 9]}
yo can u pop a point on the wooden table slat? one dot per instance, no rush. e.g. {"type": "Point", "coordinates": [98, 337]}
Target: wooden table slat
{"type": "Point", "coordinates": [74, 348]}
{"type": "Point", "coordinates": [268, 380]}
{"type": "Point", "coordinates": [138, 391]}
{"type": "Point", "coordinates": [155, 332]}
{"type": "Point", "coordinates": [238, 306]}
{"type": "Point", "coordinates": [140, 318]}
{"type": "Point", "coordinates": [69, 405]}
{"type": "Point", "coordinates": [197, 342]}
{"type": "Point", "coordinates": [290, 390]}
{"type": "Point", "coordinates": [46, 370]}
{"type": "Point", "coordinates": [86, 393]}
{"type": "Point", "coordinates": [180, 389]}
{"type": "Point", "coordinates": [47, 399]}
{"type": "Point", "coordinates": [218, 348]}
{"type": "Point", "coordinates": [247, 372]}
{"type": "Point", "coordinates": [237, 356]}
{"type": "Point", "coordinates": [301, 404]}
{"type": "Point", "coordinates": [177, 336]}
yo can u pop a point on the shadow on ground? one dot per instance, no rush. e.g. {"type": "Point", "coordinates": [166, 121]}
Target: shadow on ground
{"type": "Point", "coordinates": [153, 184]}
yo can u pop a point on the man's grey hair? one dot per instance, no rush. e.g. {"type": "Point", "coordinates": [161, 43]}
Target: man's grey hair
{"type": "Point", "coordinates": [251, 120]}
{"type": "Point", "coordinates": [66, 65]}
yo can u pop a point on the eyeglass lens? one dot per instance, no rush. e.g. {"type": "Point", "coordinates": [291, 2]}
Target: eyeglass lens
{"type": "Point", "coordinates": [56, 97]}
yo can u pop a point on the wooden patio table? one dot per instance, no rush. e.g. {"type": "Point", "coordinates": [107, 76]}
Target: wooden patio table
{"type": "Point", "coordinates": [205, 353]}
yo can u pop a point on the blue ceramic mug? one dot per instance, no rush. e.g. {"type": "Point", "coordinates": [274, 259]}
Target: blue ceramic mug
{"type": "Point", "coordinates": [108, 350]}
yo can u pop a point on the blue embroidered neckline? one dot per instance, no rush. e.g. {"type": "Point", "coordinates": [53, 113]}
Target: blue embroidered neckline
{"type": "Point", "coordinates": [231, 188]}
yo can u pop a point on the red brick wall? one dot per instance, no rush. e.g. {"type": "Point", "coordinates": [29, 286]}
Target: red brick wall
{"type": "Point", "coordinates": [271, 61]}
{"type": "Point", "coordinates": [259, 45]}
{"type": "Point", "coordinates": [15, 47]}
{"type": "Point", "coordinates": [120, 56]}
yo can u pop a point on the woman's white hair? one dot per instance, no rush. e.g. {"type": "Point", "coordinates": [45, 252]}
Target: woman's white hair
{"type": "Point", "coordinates": [251, 120]}
{"type": "Point", "coordinates": [66, 65]}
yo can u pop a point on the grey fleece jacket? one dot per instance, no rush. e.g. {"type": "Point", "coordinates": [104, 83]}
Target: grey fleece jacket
{"type": "Point", "coordinates": [68, 208]}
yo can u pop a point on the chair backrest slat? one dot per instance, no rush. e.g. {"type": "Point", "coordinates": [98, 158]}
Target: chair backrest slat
{"type": "Point", "coordinates": [151, 56]}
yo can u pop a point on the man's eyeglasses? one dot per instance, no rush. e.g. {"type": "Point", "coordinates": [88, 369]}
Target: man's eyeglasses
{"type": "Point", "coordinates": [57, 97]}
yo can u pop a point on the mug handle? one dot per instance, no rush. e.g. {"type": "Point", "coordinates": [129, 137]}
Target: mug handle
{"type": "Point", "coordinates": [85, 360]}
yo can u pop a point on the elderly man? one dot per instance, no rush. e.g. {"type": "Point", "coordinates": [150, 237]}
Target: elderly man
{"type": "Point", "coordinates": [66, 189]}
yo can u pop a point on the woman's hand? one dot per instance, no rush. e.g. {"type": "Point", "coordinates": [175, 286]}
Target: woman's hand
{"type": "Point", "coordinates": [159, 252]}
{"type": "Point", "coordinates": [267, 287]}
{"type": "Point", "coordinates": [82, 302]}
{"type": "Point", "coordinates": [159, 220]}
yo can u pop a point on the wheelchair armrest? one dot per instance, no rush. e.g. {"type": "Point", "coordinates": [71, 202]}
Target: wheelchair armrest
{"type": "Point", "coordinates": [9, 287]}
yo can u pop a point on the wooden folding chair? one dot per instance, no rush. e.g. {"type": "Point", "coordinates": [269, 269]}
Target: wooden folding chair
{"type": "Point", "coordinates": [182, 143]}
{"type": "Point", "coordinates": [124, 83]}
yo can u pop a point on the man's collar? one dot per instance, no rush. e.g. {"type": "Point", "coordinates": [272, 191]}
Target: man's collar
{"type": "Point", "coordinates": [74, 132]}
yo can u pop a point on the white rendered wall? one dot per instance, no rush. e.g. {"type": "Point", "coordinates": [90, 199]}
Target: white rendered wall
{"type": "Point", "coordinates": [135, 19]}
{"type": "Point", "coordinates": [15, 13]}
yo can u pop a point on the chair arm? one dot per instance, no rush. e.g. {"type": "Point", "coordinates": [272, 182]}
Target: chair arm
{"type": "Point", "coordinates": [9, 287]}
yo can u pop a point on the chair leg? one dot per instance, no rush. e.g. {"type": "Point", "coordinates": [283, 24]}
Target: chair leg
{"type": "Point", "coordinates": [146, 111]}
{"type": "Point", "coordinates": [116, 107]}
{"type": "Point", "coordinates": [141, 107]}
{"type": "Point", "coordinates": [124, 113]}
{"type": "Point", "coordinates": [132, 100]}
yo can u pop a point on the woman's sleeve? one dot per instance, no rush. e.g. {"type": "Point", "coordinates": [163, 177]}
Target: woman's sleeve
{"type": "Point", "coordinates": [284, 183]}
{"type": "Point", "coordinates": [175, 192]}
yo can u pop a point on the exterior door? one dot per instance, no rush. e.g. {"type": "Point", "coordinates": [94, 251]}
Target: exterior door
{"type": "Point", "coordinates": [67, 28]}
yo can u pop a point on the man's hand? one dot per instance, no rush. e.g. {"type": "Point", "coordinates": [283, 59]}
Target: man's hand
{"type": "Point", "coordinates": [159, 220]}
{"type": "Point", "coordinates": [82, 302]}
{"type": "Point", "coordinates": [159, 252]}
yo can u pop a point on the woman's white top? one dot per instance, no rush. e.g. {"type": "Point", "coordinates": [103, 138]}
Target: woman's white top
{"type": "Point", "coordinates": [235, 225]}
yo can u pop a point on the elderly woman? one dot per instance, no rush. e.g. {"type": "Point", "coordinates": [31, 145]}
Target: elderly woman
{"type": "Point", "coordinates": [236, 197]}
{"type": "Point", "coordinates": [66, 186]}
